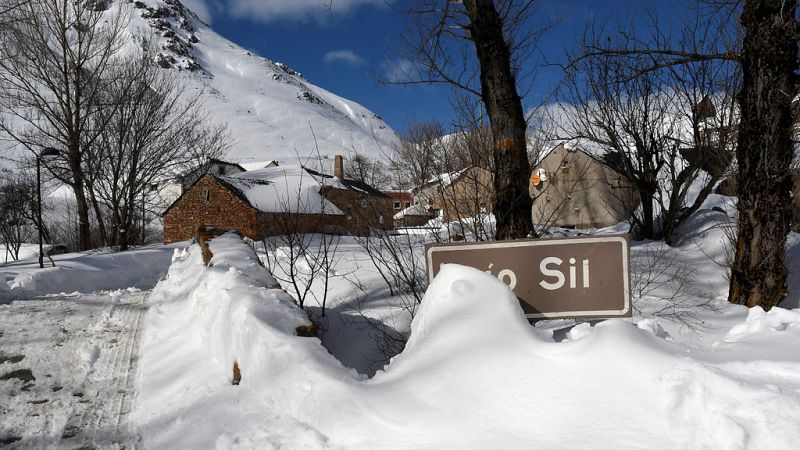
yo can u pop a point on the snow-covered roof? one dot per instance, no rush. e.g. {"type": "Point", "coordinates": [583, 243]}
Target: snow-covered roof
{"type": "Point", "coordinates": [443, 179]}
{"type": "Point", "coordinates": [413, 210]}
{"type": "Point", "coordinates": [285, 189]}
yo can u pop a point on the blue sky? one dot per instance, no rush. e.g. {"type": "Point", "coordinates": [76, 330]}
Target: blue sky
{"type": "Point", "coordinates": [345, 47]}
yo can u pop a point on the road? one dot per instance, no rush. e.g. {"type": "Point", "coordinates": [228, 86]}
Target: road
{"type": "Point", "coordinates": [68, 368]}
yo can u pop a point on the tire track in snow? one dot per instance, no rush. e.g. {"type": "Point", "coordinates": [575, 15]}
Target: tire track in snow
{"type": "Point", "coordinates": [109, 389]}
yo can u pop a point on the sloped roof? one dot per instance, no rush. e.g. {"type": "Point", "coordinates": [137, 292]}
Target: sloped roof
{"type": "Point", "coordinates": [413, 210]}
{"type": "Point", "coordinates": [220, 162]}
{"type": "Point", "coordinates": [284, 189]}
{"type": "Point", "coordinates": [604, 160]}
{"type": "Point", "coordinates": [275, 189]}
{"type": "Point", "coordinates": [345, 183]}
{"type": "Point", "coordinates": [443, 179]}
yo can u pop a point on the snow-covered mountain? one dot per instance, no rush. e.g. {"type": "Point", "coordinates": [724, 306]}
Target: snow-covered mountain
{"type": "Point", "coordinates": [270, 108]}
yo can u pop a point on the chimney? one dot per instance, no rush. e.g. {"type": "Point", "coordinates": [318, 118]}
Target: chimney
{"type": "Point", "coordinates": [338, 167]}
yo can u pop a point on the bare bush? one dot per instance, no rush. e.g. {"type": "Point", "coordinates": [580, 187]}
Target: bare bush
{"type": "Point", "coordinates": [17, 212]}
{"type": "Point", "coordinates": [665, 286]}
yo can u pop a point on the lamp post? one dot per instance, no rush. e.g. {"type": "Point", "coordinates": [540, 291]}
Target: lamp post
{"type": "Point", "coordinates": [45, 153]}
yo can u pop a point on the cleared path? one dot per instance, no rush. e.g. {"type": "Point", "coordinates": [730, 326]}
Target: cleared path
{"type": "Point", "coordinates": [73, 365]}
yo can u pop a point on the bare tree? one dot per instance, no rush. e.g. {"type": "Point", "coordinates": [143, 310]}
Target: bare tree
{"type": "Point", "coordinates": [17, 212]}
{"type": "Point", "coordinates": [764, 147]}
{"type": "Point", "coordinates": [765, 151]}
{"type": "Point", "coordinates": [661, 130]}
{"type": "Point", "coordinates": [501, 37]}
{"type": "Point", "coordinates": [632, 121]}
{"type": "Point", "coordinates": [156, 130]}
{"type": "Point", "coordinates": [54, 60]}
{"type": "Point", "coordinates": [297, 256]}
{"type": "Point", "coordinates": [371, 171]}
{"type": "Point", "coordinates": [418, 153]}
{"type": "Point", "coordinates": [705, 101]}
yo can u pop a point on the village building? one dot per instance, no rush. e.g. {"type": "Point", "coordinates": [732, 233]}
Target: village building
{"type": "Point", "coordinates": [214, 167]}
{"type": "Point", "coordinates": [406, 212]}
{"type": "Point", "coordinates": [278, 200]}
{"type": "Point", "coordinates": [413, 216]}
{"type": "Point", "coordinates": [459, 195]}
{"type": "Point", "coordinates": [169, 191]}
{"type": "Point", "coordinates": [573, 189]}
{"type": "Point", "coordinates": [400, 200]}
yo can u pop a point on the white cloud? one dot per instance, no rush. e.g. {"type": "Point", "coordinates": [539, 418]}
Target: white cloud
{"type": "Point", "coordinates": [200, 8]}
{"type": "Point", "coordinates": [267, 10]}
{"type": "Point", "coordinates": [343, 56]}
{"type": "Point", "coordinates": [399, 70]}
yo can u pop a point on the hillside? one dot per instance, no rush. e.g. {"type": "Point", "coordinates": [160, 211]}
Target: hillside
{"type": "Point", "coordinates": [270, 109]}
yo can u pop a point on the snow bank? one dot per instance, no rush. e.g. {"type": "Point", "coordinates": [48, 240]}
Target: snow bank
{"type": "Point", "coordinates": [85, 273]}
{"type": "Point", "coordinates": [202, 320]}
{"type": "Point", "coordinates": [474, 374]}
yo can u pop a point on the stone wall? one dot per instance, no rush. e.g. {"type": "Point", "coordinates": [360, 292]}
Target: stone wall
{"type": "Point", "coordinates": [362, 211]}
{"type": "Point", "coordinates": [292, 223]}
{"type": "Point", "coordinates": [208, 203]}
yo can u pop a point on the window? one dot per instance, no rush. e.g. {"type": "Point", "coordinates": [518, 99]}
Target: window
{"type": "Point", "coordinates": [396, 205]}
{"type": "Point", "coordinates": [349, 213]}
{"type": "Point", "coordinates": [408, 204]}
{"type": "Point", "coordinates": [206, 195]}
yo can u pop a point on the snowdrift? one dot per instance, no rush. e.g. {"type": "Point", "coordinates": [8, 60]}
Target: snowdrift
{"type": "Point", "coordinates": [474, 374]}
{"type": "Point", "coordinates": [85, 273]}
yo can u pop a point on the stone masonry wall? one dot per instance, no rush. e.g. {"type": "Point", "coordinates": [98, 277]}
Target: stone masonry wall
{"type": "Point", "coordinates": [222, 209]}
{"type": "Point", "coordinates": [362, 211]}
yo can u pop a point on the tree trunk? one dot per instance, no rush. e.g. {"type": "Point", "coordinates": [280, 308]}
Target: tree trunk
{"type": "Point", "coordinates": [98, 214]}
{"type": "Point", "coordinates": [512, 204]}
{"type": "Point", "coordinates": [84, 235]}
{"type": "Point", "coordinates": [648, 225]}
{"type": "Point", "coordinates": [764, 152]}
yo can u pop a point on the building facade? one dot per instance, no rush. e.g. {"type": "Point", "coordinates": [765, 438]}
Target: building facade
{"type": "Point", "coordinates": [277, 200]}
{"type": "Point", "coordinates": [572, 189]}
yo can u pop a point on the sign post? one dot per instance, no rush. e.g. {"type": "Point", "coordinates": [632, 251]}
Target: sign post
{"type": "Point", "coordinates": [583, 277]}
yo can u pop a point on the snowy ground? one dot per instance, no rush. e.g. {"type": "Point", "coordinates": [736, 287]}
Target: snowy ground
{"type": "Point", "coordinates": [68, 369]}
{"type": "Point", "coordinates": [693, 372]}
{"type": "Point", "coordinates": [688, 370]}
{"type": "Point", "coordinates": [84, 272]}
{"type": "Point", "coordinates": [68, 361]}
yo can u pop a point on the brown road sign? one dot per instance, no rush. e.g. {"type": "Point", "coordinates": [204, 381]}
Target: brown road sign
{"type": "Point", "coordinates": [553, 278]}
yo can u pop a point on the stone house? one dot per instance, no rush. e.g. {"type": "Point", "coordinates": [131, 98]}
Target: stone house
{"type": "Point", "coordinates": [400, 200]}
{"type": "Point", "coordinates": [572, 189]}
{"type": "Point", "coordinates": [413, 216]}
{"type": "Point", "coordinates": [170, 191]}
{"type": "Point", "coordinates": [213, 166]}
{"type": "Point", "coordinates": [277, 200]}
{"type": "Point", "coordinates": [459, 195]}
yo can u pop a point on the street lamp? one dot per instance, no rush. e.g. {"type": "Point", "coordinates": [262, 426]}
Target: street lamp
{"type": "Point", "coordinates": [45, 153]}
